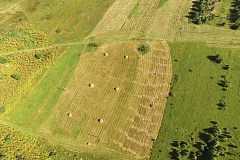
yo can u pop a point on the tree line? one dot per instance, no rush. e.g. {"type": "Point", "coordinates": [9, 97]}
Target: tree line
{"type": "Point", "coordinates": [235, 15]}
{"type": "Point", "coordinates": [202, 11]}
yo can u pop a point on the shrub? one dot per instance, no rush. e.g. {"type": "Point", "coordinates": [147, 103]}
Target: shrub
{"type": "Point", "coordinates": [171, 94]}
{"type": "Point", "coordinates": [192, 156]}
{"type": "Point", "coordinates": [175, 154]}
{"type": "Point", "coordinates": [2, 109]}
{"type": "Point", "coordinates": [16, 76]}
{"type": "Point", "coordinates": [184, 145]}
{"type": "Point", "coordinates": [52, 154]}
{"type": "Point", "coordinates": [58, 30]}
{"type": "Point", "coordinates": [227, 67]}
{"type": "Point", "coordinates": [185, 152]}
{"type": "Point", "coordinates": [38, 55]}
{"type": "Point", "coordinates": [143, 48]}
{"type": "Point", "coordinates": [91, 47]}
{"type": "Point", "coordinates": [47, 55]}
{"type": "Point", "coordinates": [3, 60]}
{"type": "Point", "coordinates": [218, 58]}
{"type": "Point", "coordinates": [224, 83]}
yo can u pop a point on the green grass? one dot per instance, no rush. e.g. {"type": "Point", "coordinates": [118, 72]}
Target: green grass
{"type": "Point", "coordinates": [196, 95]}
{"type": "Point", "coordinates": [33, 147]}
{"type": "Point", "coordinates": [222, 13]}
{"type": "Point", "coordinates": [134, 11]}
{"type": "Point", "coordinates": [77, 128]}
{"type": "Point", "coordinates": [161, 3]}
{"type": "Point", "coordinates": [66, 21]}
{"type": "Point", "coordinates": [48, 90]}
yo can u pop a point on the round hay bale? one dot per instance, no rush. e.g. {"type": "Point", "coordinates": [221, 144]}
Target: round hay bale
{"type": "Point", "coordinates": [116, 88]}
{"type": "Point", "coordinates": [126, 57]}
{"type": "Point", "coordinates": [69, 114]}
{"type": "Point", "coordinates": [91, 85]}
{"type": "Point", "coordinates": [88, 143]}
{"type": "Point", "coordinates": [100, 120]}
{"type": "Point", "coordinates": [105, 54]}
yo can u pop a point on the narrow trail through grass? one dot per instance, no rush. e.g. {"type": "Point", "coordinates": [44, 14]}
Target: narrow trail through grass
{"type": "Point", "coordinates": [10, 8]}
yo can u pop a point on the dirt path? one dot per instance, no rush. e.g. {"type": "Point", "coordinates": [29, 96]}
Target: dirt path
{"type": "Point", "coordinates": [46, 47]}
{"type": "Point", "coordinates": [10, 8]}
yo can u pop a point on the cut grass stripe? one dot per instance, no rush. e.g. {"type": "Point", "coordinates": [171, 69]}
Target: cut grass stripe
{"type": "Point", "coordinates": [51, 87]}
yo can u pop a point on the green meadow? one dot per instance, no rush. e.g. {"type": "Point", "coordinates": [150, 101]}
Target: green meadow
{"type": "Point", "coordinates": [196, 93]}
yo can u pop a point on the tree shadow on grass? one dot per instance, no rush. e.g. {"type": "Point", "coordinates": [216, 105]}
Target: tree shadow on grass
{"type": "Point", "coordinates": [211, 58]}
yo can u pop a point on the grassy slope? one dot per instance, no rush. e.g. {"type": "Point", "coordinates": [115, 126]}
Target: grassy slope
{"type": "Point", "coordinates": [196, 95]}
{"type": "Point", "coordinates": [33, 147]}
{"type": "Point", "coordinates": [40, 113]}
{"type": "Point", "coordinates": [73, 19]}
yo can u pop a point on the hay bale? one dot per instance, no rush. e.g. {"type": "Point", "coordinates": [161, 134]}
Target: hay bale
{"type": "Point", "coordinates": [105, 54]}
{"type": "Point", "coordinates": [116, 88]}
{"type": "Point", "coordinates": [100, 120]}
{"type": "Point", "coordinates": [91, 85]}
{"type": "Point", "coordinates": [126, 57]}
{"type": "Point", "coordinates": [69, 114]}
{"type": "Point", "coordinates": [88, 143]}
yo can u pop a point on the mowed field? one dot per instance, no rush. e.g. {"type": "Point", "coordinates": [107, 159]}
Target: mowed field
{"type": "Point", "coordinates": [125, 19]}
{"type": "Point", "coordinates": [131, 115]}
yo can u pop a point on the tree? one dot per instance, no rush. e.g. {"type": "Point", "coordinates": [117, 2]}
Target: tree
{"type": "Point", "coordinates": [235, 15]}
{"type": "Point", "coordinates": [202, 11]}
{"type": "Point", "coordinates": [143, 48]}
{"type": "Point", "coordinates": [192, 155]}
{"type": "Point", "coordinates": [185, 152]}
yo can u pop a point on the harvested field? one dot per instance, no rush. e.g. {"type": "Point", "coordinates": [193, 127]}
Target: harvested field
{"type": "Point", "coordinates": [126, 16]}
{"type": "Point", "coordinates": [130, 116]}
{"type": "Point", "coordinates": [170, 19]}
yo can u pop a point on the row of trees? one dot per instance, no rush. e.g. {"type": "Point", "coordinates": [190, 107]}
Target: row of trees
{"type": "Point", "coordinates": [224, 83]}
{"type": "Point", "coordinates": [214, 142]}
{"type": "Point", "coordinates": [202, 11]}
{"type": "Point", "coordinates": [235, 15]}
